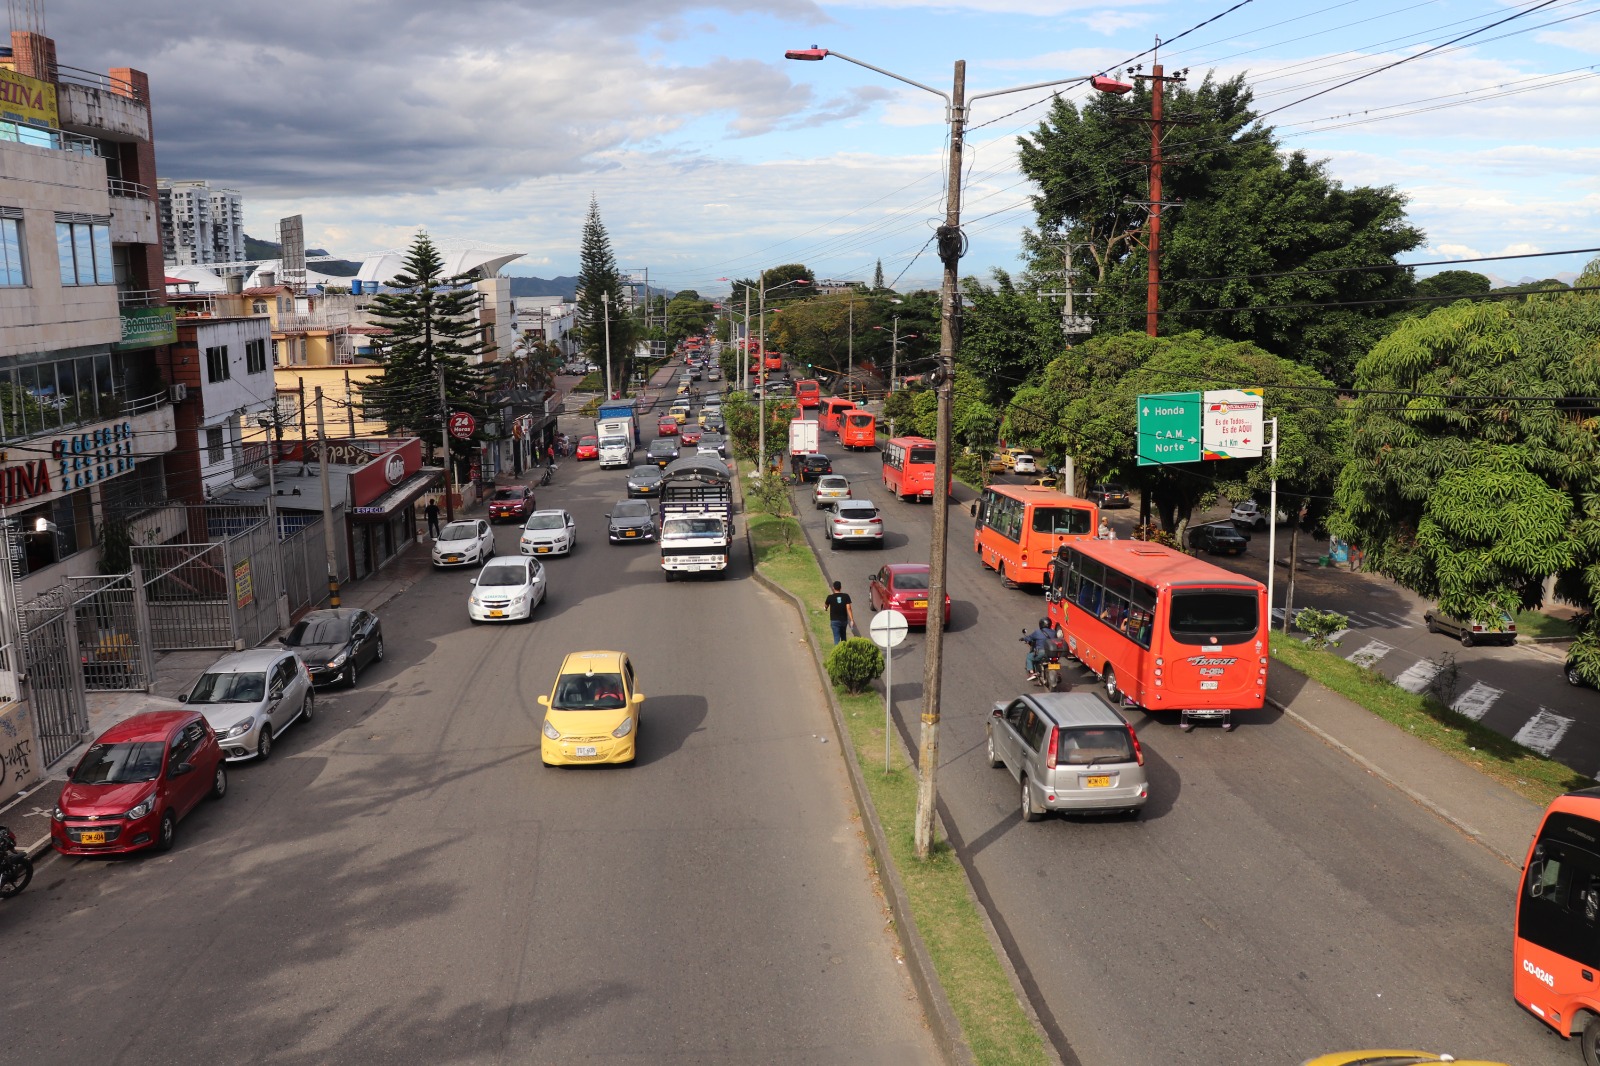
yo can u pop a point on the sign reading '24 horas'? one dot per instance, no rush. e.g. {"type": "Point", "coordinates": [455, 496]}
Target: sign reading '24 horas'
{"type": "Point", "coordinates": [90, 457]}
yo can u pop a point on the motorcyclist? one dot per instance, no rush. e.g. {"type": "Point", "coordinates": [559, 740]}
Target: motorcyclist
{"type": "Point", "coordinates": [1039, 642]}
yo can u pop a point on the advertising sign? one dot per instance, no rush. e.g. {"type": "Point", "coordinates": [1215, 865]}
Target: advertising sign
{"type": "Point", "coordinates": [1232, 424]}
{"type": "Point", "coordinates": [27, 100]}
{"type": "Point", "coordinates": [244, 589]}
{"type": "Point", "coordinates": [145, 327]}
{"type": "Point", "coordinates": [462, 425]}
{"type": "Point", "coordinates": [1169, 428]}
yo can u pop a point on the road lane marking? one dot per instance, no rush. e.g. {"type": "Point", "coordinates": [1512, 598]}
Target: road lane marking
{"type": "Point", "coordinates": [1338, 637]}
{"type": "Point", "coordinates": [1416, 677]}
{"type": "Point", "coordinates": [1476, 701]}
{"type": "Point", "coordinates": [1543, 731]}
{"type": "Point", "coordinates": [1370, 653]}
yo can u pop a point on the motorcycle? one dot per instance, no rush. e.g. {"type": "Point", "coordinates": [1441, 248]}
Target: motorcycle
{"type": "Point", "coordinates": [1048, 676]}
{"type": "Point", "coordinates": [549, 472]}
{"type": "Point", "coordinates": [16, 869]}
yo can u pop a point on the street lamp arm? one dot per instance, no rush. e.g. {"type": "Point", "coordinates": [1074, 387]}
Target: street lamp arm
{"type": "Point", "coordinates": [1024, 88]}
{"type": "Point", "coordinates": [811, 54]}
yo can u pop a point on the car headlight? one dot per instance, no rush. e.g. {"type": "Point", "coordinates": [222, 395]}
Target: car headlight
{"type": "Point", "coordinates": [58, 814]}
{"type": "Point", "coordinates": [338, 660]}
{"type": "Point", "coordinates": [550, 730]}
{"type": "Point", "coordinates": [238, 730]}
{"type": "Point", "coordinates": [142, 809]}
{"type": "Point", "coordinates": [624, 729]}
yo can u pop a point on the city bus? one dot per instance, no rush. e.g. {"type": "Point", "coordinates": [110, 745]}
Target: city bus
{"type": "Point", "coordinates": [807, 393]}
{"type": "Point", "coordinates": [774, 360]}
{"type": "Point", "coordinates": [833, 409]}
{"type": "Point", "coordinates": [1555, 950]}
{"type": "Point", "coordinates": [1163, 630]}
{"type": "Point", "coordinates": [1019, 528]}
{"type": "Point", "coordinates": [858, 429]}
{"type": "Point", "coordinates": [908, 468]}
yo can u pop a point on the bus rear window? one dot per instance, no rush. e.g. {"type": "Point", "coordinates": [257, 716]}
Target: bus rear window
{"type": "Point", "coordinates": [922, 455]}
{"type": "Point", "coordinates": [1072, 521]}
{"type": "Point", "coordinates": [1196, 617]}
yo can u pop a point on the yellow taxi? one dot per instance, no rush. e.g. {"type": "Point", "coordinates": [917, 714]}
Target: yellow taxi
{"type": "Point", "coordinates": [1391, 1058]}
{"type": "Point", "coordinates": [592, 713]}
{"type": "Point", "coordinates": [996, 464]}
{"type": "Point", "coordinates": [680, 411]}
{"type": "Point", "coordinates": [683, 388]}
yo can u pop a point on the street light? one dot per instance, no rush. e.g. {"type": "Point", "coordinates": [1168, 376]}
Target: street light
{"type": "Point", "coordinates": [894, 348]}
{"type": "Point", "coordinates": [605, 302]}
{"type": "Point", "coordinates": [952, 244]}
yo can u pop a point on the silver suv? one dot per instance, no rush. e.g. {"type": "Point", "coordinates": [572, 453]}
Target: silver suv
{"type": "Point", "coordinates": [1068, 751]}
{"type": "Point", "coordinates": [853, 522]}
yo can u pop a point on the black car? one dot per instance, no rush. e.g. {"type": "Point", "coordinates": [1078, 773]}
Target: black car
{"type": "Point", "coordinates": [1110, 495]}
{"type": "Point", "coordinates": [662, 451]}
{"type": "Point", "coordinates": [814, 466]}
{"type": "Point", "coordinates": [336, 643]}
{"type": "Point", "coordinates": [1573, 677]}
{"type": "Point", "coordinates": [630, 520]}
{"type": "Point", "coordinates": [644, 481]}
{"type": "Point", "coordinates": [1218, 539]}
{"type": "Point", "coordinates": [715, 440]}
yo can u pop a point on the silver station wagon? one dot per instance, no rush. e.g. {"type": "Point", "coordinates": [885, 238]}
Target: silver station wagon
{"type": "Point", "coordinates": [1068, 751]}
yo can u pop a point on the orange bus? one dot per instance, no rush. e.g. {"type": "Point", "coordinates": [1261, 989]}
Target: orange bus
{"type": "Point", "coordinates": [833, 409]}
{"type": "Point", "coordinates": [807, 393]}
{"type": "Point", "coordinates": [1019, 528]}
{"type": "Point", "coordinates": [908, 468]}
{"type": "Point", "coordinates": [858, 429]}
{"type": "Point", "coordinates": [1555, 951]}
{"type": "Point", "coordinates": [774, 360]}
{"type": "Point", "coordinates": [1163, 630]}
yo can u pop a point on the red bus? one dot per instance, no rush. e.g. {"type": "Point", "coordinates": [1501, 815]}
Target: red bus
{"type": "Point", "coordinates": [1163, 630]}
{"type": "Point", "coordinates": [807, 393]}
{"type": "Point", "coordinates": [833, 409]}
{"type": "Point", "coordinates": [774, 360]}
{"type": "Point", "coordinates": [858, 429]}
{"type": "Point", "coordinates": [1020, 527]}
{"type": "Point", "coordinates": [908, 468]}
{"type": "Point", "coordinates": [1555, 951]}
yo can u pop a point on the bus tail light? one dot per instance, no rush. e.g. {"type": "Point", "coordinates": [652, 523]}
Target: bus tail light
{"type": "Point", "coordinates": [1138, 751]}
{"type": "Point", "coordinates": [1050, 753]}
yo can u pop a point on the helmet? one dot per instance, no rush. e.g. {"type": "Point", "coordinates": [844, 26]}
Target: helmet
{"type": "Point", "coordinates": [1044, 623]}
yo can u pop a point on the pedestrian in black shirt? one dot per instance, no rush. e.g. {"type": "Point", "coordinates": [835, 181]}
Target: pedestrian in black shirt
{"type": "Point", "coordinates": [840, 614]}
{"type": "Point", "coordinates": [432, 511]}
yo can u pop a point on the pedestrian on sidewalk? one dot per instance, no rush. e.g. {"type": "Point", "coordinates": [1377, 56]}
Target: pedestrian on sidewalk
{"type": "Point", "coordinates": [432, 511]}
{"type": "Point", "coordinates": [1106, 532]}
{"type": "Point", "coordinates": [840, 614]}
{"type": "Point", "coordinates": [550, 457]}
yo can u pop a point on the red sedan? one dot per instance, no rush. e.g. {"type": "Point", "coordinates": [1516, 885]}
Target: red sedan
{"type": "Point", "coordinates": [691, 435]}
{"type": "Point", "coordinates": [135, 782]}
{"type": "Point", "coordinates": [667, 427]}
{"type": "Point", "coordinates": [588, 448]}
{"type": "Point", "coordinates": [904, 587]}
{"type": "Point", "coordinates": [515, 502]}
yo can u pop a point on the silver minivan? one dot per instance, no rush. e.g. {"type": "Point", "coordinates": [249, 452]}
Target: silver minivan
{"type": "Point", "coordinates": [1068, 751]}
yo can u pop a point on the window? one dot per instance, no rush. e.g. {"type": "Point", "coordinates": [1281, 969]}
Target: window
{"type": "Point", "coordinates": [12, 274]}
{"type": "Point", "coordinates": [217, 363]}
{"type": "Point", "coordinates": [216, 445]}
{"type": "Point", "coordinates": [1072, 521]}
{"type": "Point", "coordinates": [1200, 617]}
{"type": "Point", "coordinates": [84, 247]}
{"type": "Point", "coordinates": [1560, 893]}
{"type": "Point", "coordinates": [255, 357]}
{"type": "Point", "coordinates": [258, 307]}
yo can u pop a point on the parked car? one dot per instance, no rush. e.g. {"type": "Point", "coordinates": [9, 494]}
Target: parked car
{"type": "Point", "coordinates": [904, 588]}
{"type": "Point", "coordinates": [506, 590]}
{"type": "Point", "coordinates": [549, 532]}
{"type": "Point", "coordinates": [251, 697]}
{"type": "Point", "coordinates": [814, 465]}
{"type": "Point", "coordinates": [830, 489]}
{"type": "Point", "coordinates": [136, 782]}
{"type": "Point", "coordinates": [336, 643]}
{"type": "Point", "coordinates": [630, 520]}
{"type": "Point", "coordinates": [588, 448]}
{"type": "Point", "coordinates": [467, 542]}
{"type": "Point", "coordinates": [1252, 515]}
{"type": "Point", "coordinates": [662, 451]}
{"type": "Point", "coordinates": [854, 522]}
{"type": "Point", "coordinates": [1570, 669]}
{"type": "Point", "coordinates": [1218, 538]}
{"type": "Point", "coordinates": [1110, 494]}
{"type": "Point", "coordinates": [1024, 464]}
{"type": "Point", "coordinates": [644, 481]}
{"type": "Point", "coordinates": [513, 503]}
{"type": "Point", "coordinates": [666, 426]}
{"type": "Point", "coordinates": [1502, 630]}
{"type": "Point", "coordinates": [1068, 751]}
{"type": "Point", "coordinates": [592, 713]}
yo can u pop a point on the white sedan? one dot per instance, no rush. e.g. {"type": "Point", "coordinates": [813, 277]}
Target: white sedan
{"type": "Point", "coordinates": [506, 589]}
{"type": "Point", "coordinates": [466, 543]}
{"type": "Point", "coordinates": [1024, 464]}
{"type": "Point", "coordinates": [551, 532]}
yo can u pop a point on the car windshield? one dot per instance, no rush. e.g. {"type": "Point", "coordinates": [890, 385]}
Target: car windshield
{"type": "Point", "coordinates": [502, 575]}
{"type": "Point", "coordinates": [692, 527]}
{"type": "Point", "coordinates": [916, 581]}
{"type": "Point", "coordinates": [1068, 520]}
{"type": "Point", "coordinates": [631, 510]}
{"type": "Point", "coordinates": [647, 473]}
{"type": "Point", "coordinates": [1198, 616]}
{"type": "Point", "coordinates": [1087, 746]}
{"type": "Point", "coordinates": [328, 630]}
{"type": "Point", "coordinates": [545, 521]}
{"type": "Point", "coordinates": [589, 692]}
{"type": "Point", "coordinates": [1114, 489]}
{"type": "Point", "coordinates": [586, 440]}
{"type": "Point", "coordinates": [832, 481]}
{"type": "Point", "coordinates": [459, 531]}
{"type": "Point", "coordinates": [507, 494]}
{"type": "Point", "coordinates": [229, 688]}
{"type": "Point", "coordinates": [120, 764]}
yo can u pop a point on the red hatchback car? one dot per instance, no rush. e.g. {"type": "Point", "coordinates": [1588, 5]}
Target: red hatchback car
{"type": "Point", "coordinates": [515, 502]}
{"type": "Point", "coordinates": [135, 782]}
{"type": "Point", "coordinates": [904, 587]}
{"type": "Point", "coordinates": [691, 435]}
{"type": "Point", "coordinates": [667, 427]}
{"type": "Point", "coordinates": [588, 448]}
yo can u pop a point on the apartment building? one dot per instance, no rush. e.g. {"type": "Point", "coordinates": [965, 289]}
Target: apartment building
{"type": "Point", "coordinates": [200, 224]}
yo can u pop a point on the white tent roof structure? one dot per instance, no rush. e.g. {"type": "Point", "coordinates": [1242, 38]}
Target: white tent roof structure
{"type": "Point", "coordinates": [483, 262]}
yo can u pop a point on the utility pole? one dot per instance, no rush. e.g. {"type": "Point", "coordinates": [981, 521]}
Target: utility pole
{"type": "Point", "coordinates": [1072, 323]}
{"type": "Point", "coordinates": [444, 454]}
{"type": "Point", "coordinates": [744, 345]}
{"type": "Point", "coordinates": [894, 352]}
{"type": "Point", "coordinates": [605, 301]}
{"type": "Point", "coordinates": [327, 507]}
{"type": "Point", "coordinates": [761, 377]}
{"type": "Point", "coordinates": [950, 249]}
{"type": "Point", "coordinates": [349, 405]}
{"type": "Point", "coordinates": [1152, 242]}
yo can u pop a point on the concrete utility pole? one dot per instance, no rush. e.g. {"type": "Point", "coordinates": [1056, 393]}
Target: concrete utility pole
{"type": "Point", "coordinates": [327, 507]}
{"type": "Point", "coordinates": [349, 405]}
{"type": "Point", "coordinates": [605, 301]}
{"type": "Point", "coordinates": [444, 443]}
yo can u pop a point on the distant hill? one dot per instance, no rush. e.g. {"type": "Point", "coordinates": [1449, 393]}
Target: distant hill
{"type": "Point", "coordinates": [338, 268]}
{"type": "Point", "coordinates": [566, 288]}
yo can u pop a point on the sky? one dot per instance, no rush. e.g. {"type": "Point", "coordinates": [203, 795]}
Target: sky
{"type": "Point", "coordinates": [711, 156]}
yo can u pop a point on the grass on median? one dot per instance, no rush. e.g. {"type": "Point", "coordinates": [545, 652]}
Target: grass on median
{"type": "Point", "coordinates": [1518, 768]}
{"type": "Point", "coordinates": [995, 1027]}
{"type": "Point", "coordinates": [1539, 624]}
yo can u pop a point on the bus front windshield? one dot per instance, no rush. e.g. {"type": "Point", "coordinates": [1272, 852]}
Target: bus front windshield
{"type": "Point", "coordinates": [1071, 521]}
{"type": "Point", "coordinates": [1225, 616]}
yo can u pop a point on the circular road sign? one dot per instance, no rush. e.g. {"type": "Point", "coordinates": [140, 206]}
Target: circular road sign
{"type": "Point", "coordinates": [462, 425]}
{"type": "Point", "coordinates": [887, 628]}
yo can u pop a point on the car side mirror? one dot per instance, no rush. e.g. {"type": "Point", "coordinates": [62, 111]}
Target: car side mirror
{"type": "Point", "coordinates": [544, 701]}
{"type": "Point", "coordinates": [472, 581]}
{"type": "Point", "coordinates": [998, 713]}
{"type": "Point", "coordinates": [277, 692]}
{"type": "Point", "coordinates": [183, 698]}
{"type": "Point", "coordinates": [638, 697]}
{"type": "Point", "coordinates": [181, 769]}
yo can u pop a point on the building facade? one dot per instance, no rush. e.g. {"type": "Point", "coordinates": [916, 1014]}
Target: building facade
{"type": "Point", "coordinates": [200, 224]}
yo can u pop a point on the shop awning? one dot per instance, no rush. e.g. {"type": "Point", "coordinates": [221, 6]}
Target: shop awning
{"type": "Point", "coordinates": [396, 499]}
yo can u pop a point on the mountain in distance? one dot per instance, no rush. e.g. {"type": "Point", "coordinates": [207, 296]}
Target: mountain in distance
{"type": "Point", "coordinates": [566, 288]}
{"type": "Point", "coordinates": [338, 268]}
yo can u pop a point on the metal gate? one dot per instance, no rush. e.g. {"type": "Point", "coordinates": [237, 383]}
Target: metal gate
{"type": "Point", "coordinates": [217, 595]}
{"type": "Point", "coordinates": [55, 675]}
{"type": "Point", "coordinates": [112, 643]}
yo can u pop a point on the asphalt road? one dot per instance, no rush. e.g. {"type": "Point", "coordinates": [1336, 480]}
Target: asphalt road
{"type": "Point", "coordinates": [1274, 902]}
{"type": "Point", "coordinates": [403, 882]}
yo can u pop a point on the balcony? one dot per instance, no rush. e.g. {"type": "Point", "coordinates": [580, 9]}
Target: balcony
{"type": "Point", "coordinates": [99, 110]}
{"type": "Point", "coordinates": [133, 214]}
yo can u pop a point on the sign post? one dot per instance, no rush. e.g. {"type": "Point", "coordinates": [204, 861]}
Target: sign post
{"type": "Point", "coordinates": [887, 629]}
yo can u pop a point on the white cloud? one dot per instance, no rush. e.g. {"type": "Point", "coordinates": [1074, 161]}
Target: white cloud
{"type": "Point", "coordinates": [1109, 22]}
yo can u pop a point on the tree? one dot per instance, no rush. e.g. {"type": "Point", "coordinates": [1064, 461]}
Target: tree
{"type": "Point", "coordinates": [433, 326]}
{"type": "Point", "coordinates": [780, 275]}
{"type": "Point", "coordinates": [815, 333]}
{"type": "Point", "coordinates": [599, 280]}
{"type": "Point", "coordinates": [1456, 283]}
{"type": "Point", "coordinates": [877, 277]}
{"type": "Point", "coordinates": [1007, 336]}
{"type": "Point", "coordinates": [687, 315]}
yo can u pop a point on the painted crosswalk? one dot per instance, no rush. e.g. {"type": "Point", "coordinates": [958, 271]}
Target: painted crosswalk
{"type": "Point", "coordinates": [1358, 619]}
{"type": "Point", "coordinates": [1476, 701]}
{"type": "Point", "coordinates": [1418, 676]}
{"type": "Point", "coordinates": [1370, 653]}
{"type": "Point", "coordinates": [1543, 731]}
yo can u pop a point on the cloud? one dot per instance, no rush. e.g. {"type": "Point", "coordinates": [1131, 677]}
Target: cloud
{"type": "Point", "coordinates": [1109, 22]}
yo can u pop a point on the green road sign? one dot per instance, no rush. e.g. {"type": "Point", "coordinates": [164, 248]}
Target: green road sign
{"type": "Point", "coordinates": [1169, 428]}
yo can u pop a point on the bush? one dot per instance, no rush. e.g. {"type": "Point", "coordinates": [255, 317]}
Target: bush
{"type": "Point", "coordinates": [1320, 626]}
{"type": "Point", "coordinates": [854, 663]}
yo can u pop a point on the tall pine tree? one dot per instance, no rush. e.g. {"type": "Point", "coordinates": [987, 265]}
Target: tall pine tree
{"type": "Point", "coordinates": [877, 277]}
{"type": "Point", "coordinates": [433, 325]}
{"type": "Point", "coordinates": [598, 278]}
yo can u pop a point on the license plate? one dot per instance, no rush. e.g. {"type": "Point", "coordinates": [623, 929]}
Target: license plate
{"type": "Point", "coordinates": [542, 549]}
{"type": "Point", "coordinates": [1052, 666]}
{"type": "Point", "coordinates": [1097, 781]}
{"type": "Point", "coordinates": [630, 533]}
{"type": "Point", "coordinates": [1207, 686]}
{"type": "Point", "coordinates": [98, 837]}
{"type": "Point", "coordinates": [919, 603]}
{"type": "Point", "coordinates": [584, 751]}
{"type": "Point", "coordinates": [497, 614]}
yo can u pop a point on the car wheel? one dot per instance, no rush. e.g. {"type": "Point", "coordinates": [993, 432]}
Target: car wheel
{"type": "Point", "coordinates": [1589, 1042]}
{"type": "Point", "coordinates": [219, 782]}
{"type": "Point", "coordinates": [1427, 620]}
{"type": "Point", "coordinates": [1030, 813]}
{"type": "Point", "coordinates": [1466, 638]}
{"type": "Point", "coordinates": [1573, 677]}
{"type": "Point", "coordinates": [264, 745]}
{"type": "Point", "coordinates": [1109, 679]}
{"type": "Point", "coordinates": [377, 655]}
{"type": "Point", "coordinates": [167, 835]}
{"type": "Point", "coordinates": [353, 671]}
{"type": "Point", "coordinates": [988, 746]}
{"type": "Point", "coordinates": [308, 708]}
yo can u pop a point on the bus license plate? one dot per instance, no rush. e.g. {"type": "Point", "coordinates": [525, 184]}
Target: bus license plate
{"type": "Point", "coordinates": [585, 751]}
{"type": "Point", "coordinates": [92, 837]}
{"type": "Point", "coordinates": [1098, 781]}
{"type": "Point", "coordinates": [1207, 686]}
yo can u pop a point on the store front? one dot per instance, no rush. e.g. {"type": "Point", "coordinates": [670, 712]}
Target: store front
{"type": "Point", "coordinates": [383, 504]}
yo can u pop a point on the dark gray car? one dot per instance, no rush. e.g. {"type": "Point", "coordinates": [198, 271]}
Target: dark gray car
{"type": "Point", "coordinates": [630, 520]}
{"type": "Point", "coordinates": [644, 482]}
{"type": "Point", "coordinates": [662, 451]}
{"type": "Point", "coordinates": [715, 440]}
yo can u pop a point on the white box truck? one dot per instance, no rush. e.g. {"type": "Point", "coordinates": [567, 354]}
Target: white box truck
{"type": "Point", "coordinates": [805, 436]}
{"type": "Point", "coordinates": [616, 442]}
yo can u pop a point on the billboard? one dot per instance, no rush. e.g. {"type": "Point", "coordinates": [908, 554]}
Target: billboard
{"type": "Point", "coordinates": [27, 100]}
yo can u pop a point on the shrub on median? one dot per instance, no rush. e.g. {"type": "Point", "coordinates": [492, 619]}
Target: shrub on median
{"type": "Point", "coordinates": [854, 663]}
